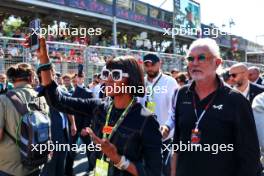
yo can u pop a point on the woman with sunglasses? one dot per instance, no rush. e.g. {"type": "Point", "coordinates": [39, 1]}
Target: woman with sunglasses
{"type": "Point", "coordinates": [128, 134]}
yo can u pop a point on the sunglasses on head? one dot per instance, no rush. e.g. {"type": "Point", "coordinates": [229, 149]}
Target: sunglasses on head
{"type": "Point", "coordinates": [200, 57]}
{"type": "Point", "coordinates": [116, 74]}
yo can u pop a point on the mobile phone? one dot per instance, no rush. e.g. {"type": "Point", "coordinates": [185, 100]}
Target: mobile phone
{"type": "Point", "coordinates": [34, 26]}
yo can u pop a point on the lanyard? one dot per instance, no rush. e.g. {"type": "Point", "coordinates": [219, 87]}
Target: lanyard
{"type": "Point", "coordinates": [204, 111]}
{"type": "Point", "coordinates": [152, 88]}
{"type": "Point", "coordinates": [120, 120]}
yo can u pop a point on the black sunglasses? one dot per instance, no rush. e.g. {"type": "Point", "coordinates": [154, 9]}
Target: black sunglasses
{"type": "Point", "coordinates": [234, 75]}
{"type": "Point", "coordinates": [201, 58]}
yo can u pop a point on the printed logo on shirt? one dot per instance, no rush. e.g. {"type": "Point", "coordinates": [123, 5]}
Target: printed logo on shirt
{"type": "Point", "coordinates": [219, 107]}
{"type": "Point", "coordinates": [187, 102]}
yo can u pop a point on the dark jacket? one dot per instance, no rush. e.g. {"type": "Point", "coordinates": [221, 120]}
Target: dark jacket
{"type": "Point", "coordinates": [228, 122]}
{"type": "Point", "coordinates": [57, 119]}
{"type": "Point", "coordinates": [254, 90]}
{"type": "Point", "coordinates": [259, 81]}
{"type": "Point", "coordinates": [82, 121]}
{"type": "Point", "coordinates": [138, 137]}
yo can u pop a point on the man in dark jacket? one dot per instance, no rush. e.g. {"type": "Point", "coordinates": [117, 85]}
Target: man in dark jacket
{"type": "Point", "coordinates": [81, 123]}
{"type": "Point", "coordinates": [59, 134]}
{"type": "Point", "coordinates": [254, 75]}
{"type": "Point", "coordinates": [215, 132]}
{"type": "Point", "coordinates": [239, 75]}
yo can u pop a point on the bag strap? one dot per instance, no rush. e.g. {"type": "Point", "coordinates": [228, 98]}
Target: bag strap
{"type": "Point", "coordinates": [16, 141]}
{"type": "Point", "coordinates": [20, 106]}
{"type": "Point", "coordinates": [8, 134]}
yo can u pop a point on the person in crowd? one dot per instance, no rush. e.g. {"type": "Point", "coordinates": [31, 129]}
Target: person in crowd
{"type": "Point", "coordinates": [2, 61]}
{"type": "Point", "coordinates": [188, 76]}
{"type": "Point", "coordinates": [59, 79]}
{"type": "Point", "coordinates": [167, 73]}
{"type": "Point", "coordinates": [254, 75]}
{"type": "Point", "coordinates": [18, 34]}
{"type": "Point", "coordinates": [214, 121]}
{"type": "Point", "coordinates": [59, 134]}
{"type": "Point", "coordinates": [102, 93]}
{"type": "Point", "coordinates": [181, 79]}
{"type": "Point", "coordinates": [2, 53]}
{"type": "Point", "coordinates": [239, 75]}
{"type": "Point", "coordinates": [227, 78]}
{"type": "Point", "coordinates": [67, 83]}
{"type": "Point", "coordinates": [4, 84]}
{"type": "Point", "coordinates": [13, 50]}
{"type": "Point", "coordinates": [258, 111]}
{"type": "Point", "coordinates": [22, 75]}
{"type": "Point", "coordinates": [74, 80]}
{"type": "Point", "coordinates": [158, 99]}
{"type": "Point", "coordinates": [128, 134]}
{"type": "Point", "coordinates": [95, 85]}
{"type": "Point", "coordinates": [81, 123]}
{"type": "Point", "coordinates": [174, 73]}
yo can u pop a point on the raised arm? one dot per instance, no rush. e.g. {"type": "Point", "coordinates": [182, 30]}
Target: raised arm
{"type": "Point", "coordinates": [69, 105]}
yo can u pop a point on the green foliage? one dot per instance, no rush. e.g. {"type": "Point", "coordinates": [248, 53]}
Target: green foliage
{"type": "Point", "coordinates": [11, 24]}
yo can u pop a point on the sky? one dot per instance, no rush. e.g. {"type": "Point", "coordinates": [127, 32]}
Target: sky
{"type": "Point", "coordinates": [247, 15]}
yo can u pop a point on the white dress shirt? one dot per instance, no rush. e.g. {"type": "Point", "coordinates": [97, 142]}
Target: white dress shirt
{"type": "Point", "coordinates": [162, 96]}
{"type": "Point", "coordinates": [245, 93]}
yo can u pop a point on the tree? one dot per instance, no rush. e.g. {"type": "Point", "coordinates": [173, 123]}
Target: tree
{"type": "Point", "coordinates": [11, 24]}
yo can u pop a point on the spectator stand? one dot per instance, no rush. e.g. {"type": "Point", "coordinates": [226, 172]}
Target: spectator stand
{"type": "Point", "coordinates": [67, 56]}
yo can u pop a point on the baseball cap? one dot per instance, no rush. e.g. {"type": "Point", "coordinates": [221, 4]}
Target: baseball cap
{"type": "Point", "coordinates": [151, 58]}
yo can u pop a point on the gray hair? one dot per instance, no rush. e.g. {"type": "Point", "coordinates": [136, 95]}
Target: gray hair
{"type": "Point", "coordinates": [208, 43]}
{"type": "Point", "coordinates": [254, 68]}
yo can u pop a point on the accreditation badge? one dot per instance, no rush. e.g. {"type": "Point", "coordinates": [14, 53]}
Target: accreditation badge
{"type": "Point", "coordinates": [101, 168]}
{"type": "Point", "coordinates": [196, 136]}
{"type": "Point", "coordinates": [107, 129]}
{"type": "Point", "coordinates": [151, 106]}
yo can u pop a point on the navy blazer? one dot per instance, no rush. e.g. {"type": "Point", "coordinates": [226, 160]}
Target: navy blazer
{"type": "Point", "coordinates": [81, 121]}
{"type": "Point", "coordinates": [259, 82]}
{"type": "Point", "coordinates": [56, 119]}
{"type": "Point", "coordinates": [254, 90]}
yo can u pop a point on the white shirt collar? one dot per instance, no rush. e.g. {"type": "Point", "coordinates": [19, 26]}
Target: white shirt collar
{"type": "Point", "coordinates": [245, 93]}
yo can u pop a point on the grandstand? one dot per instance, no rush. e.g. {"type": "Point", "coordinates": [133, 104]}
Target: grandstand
{"type": "Point", "coordinates": [128, 26]}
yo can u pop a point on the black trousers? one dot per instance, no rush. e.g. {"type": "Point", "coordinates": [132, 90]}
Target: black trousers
{"type": "Point", "coordinates": [166, 158]}
{"type": "Point", "coordinates": [71, 155]}
{"type": "Point", "coordinates": [56, 166]}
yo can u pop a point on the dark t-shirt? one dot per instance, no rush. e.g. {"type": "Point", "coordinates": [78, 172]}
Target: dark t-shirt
{"type": "Point", "coordinates": [228, 135]}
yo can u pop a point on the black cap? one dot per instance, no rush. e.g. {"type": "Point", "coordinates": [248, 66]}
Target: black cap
{"type": "Point", "coordinates": [151, 58]}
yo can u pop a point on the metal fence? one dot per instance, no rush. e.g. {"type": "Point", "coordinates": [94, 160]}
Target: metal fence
{"type": "Point", "coordinates": [67, 57]}
{"type": "Point", "coordinates": [96, 57]}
